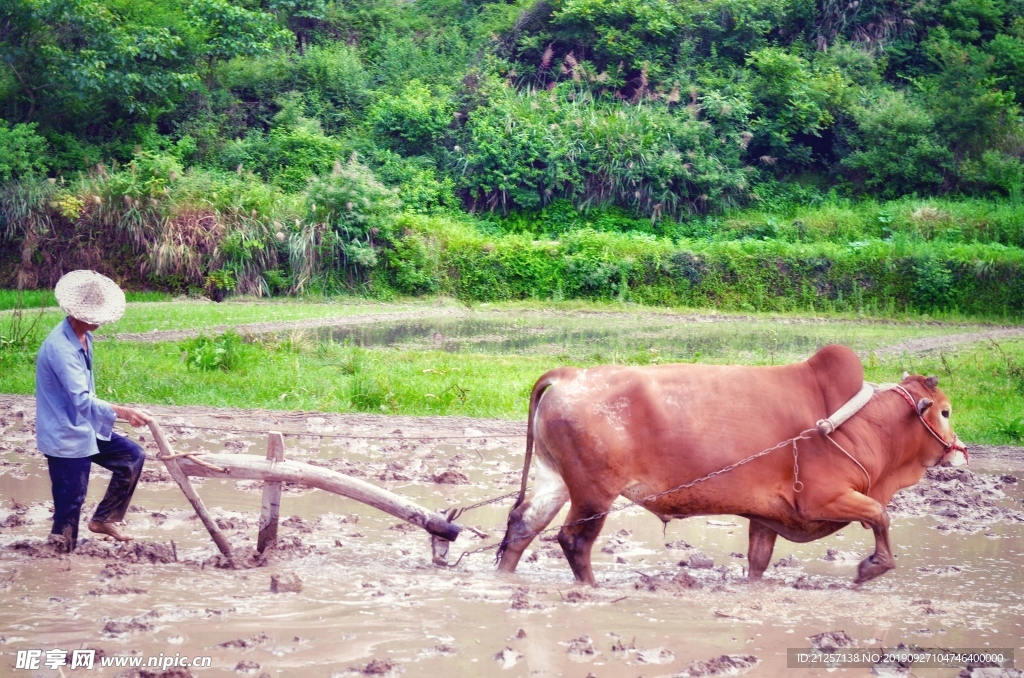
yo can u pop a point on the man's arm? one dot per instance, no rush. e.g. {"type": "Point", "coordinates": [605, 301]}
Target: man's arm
{"type": "Point", "coordinates": [133, 415]}
{"type": "Point", "coordinates": [99, 413]}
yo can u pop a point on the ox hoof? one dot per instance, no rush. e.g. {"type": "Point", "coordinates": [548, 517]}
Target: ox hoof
{"type": "Point", "coordinates": [871, 567]}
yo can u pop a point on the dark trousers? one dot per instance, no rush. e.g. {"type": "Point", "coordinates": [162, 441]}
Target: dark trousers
{"type": "Point", "coordinates": [70, 480]}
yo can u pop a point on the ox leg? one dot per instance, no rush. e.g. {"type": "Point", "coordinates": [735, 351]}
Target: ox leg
{"type": "Point", "coordinates": [532, 516]}
{"type": "Point", "coordinates": [854, 506]}
{"type": "Point", "coordinates": [577, 541]}
{"type": "Point", "coordinates": [759, 552]}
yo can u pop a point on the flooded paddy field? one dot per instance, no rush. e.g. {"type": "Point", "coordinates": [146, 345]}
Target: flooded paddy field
{"type": "Point", "coordinates": [662, 336]}
{"type": "Point", "coordinates": [358, 595]}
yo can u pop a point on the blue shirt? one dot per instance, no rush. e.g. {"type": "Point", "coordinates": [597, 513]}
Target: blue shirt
{"type": "Point", "coordinates": [69, 416]}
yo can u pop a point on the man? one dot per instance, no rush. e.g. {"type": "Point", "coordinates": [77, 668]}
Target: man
{"type": "Point", "coordinates": [74, 428]}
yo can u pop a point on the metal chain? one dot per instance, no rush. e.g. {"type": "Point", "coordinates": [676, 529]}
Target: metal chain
{"type": "Point", "coordinates": [310, 434]}
{"type": "Point", "coordinates": [797, 485]}
{"type": "Point", "coordinates": [802, 436]}
{"type": "Point", "coordinates": [485, 502]}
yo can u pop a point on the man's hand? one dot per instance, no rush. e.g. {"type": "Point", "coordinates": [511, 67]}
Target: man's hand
{"type": "Point", "coordinates": [134, 416]}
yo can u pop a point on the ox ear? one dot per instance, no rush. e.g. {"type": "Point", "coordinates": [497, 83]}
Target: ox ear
{"type": "Point", "coordinates": [922, 405]}
{"type": "Point", "coordinates": [932, 383]}
{"type": "Point", "coordinates": [905, 375]}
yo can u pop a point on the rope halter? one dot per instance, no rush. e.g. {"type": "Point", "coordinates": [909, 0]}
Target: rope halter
{"type": "Point", "coordinates": [950, 446]}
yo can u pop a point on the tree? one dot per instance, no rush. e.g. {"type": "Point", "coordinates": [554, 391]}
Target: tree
{"type": "Point", "coordinates": [232, 31]}
{"type": "Point", "coordinates": [71, 58]}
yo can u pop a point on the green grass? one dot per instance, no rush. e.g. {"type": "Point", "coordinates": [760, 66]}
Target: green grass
{"type": "Point", "coordinates": [201, 313]}
{"type": "Point", "coordinates": [13, 299]}
{"type": "Point", "coordinates": [985, 381]}
{"type": "Point", "coordinates": [963, 220]}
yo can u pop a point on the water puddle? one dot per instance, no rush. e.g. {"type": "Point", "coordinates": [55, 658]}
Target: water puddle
{"type": "Point", "coordinates": [665, 337]}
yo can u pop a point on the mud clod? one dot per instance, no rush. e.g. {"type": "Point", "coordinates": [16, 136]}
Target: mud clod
{"type": "Point", "coordinates": [117, 569]}
{"type": "Point", "coordinates": [381, 667]}
{"type": "Point", "coordinates": [38, 548]}
{"type": "Point", "coordinates": [451, 477]}
{"type": "Point", "coordinates": [726, 665]}
{"type": "Point", "coordinates": [810, 583]}
{"type": "Point", "coordinates": [131, 626]}
{"type": "Point", "coordinates": [964, 498]}
{"type": "Point", "coordinates": [15, 520]}
{"type": "Point", "coordinates": [698, 561]}
{"type": "Point", "coordinates": [176, 672]}
{"type": "Point", "coordinates": [150, 475]}
{"type": "Point", "coordinates": [135, 552]}
{"type": "Point", "coordinates": [831, 641]}
{"type": "Point", "coordinates": [581, 648]}
{"type": "Point", "coordinates": [285, 583]}
{"type": "Point", "coordinates": [657, 655]}
{"type": "Point", "coordinates": [683, 581]}
{"type": "Point", "coordinates": [247, 643]}
{"type": "Point", "coordinates": [788, 561]}
{"type": "Point", "coordinates": [576, 596]}
{"type": "Point", "coordinates": [989, 672]}
{"type": "Point", "coordinates": [520, 599]}
{"type": "Point", "coordinates": [233, 523]}
{"type": "Point", "coordinates": [680, 545]}
{"type": "Point", "coordinates": [116, 590]}
{"type": "Point", "coordinates": [837, 556]}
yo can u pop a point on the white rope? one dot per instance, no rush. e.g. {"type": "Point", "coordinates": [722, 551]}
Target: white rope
{"type": "Point", "coordinates": [866, 474]}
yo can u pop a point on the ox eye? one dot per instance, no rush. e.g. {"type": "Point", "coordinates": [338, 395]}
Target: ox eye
{"type": "Point", "coordinates": [945, 413]}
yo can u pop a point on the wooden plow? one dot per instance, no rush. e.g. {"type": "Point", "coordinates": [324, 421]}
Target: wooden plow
{"type": "Point", "coordinates": [275, 470]}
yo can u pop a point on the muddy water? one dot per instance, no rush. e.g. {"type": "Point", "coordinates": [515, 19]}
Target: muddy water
{"type": "Point", "coordinates": [371, 602]}
{"type": "Point", "coordinates": [606, 335]}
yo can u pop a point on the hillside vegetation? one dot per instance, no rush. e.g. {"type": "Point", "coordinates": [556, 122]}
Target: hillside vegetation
{"type": "Point", "coordinates": [765, 154]}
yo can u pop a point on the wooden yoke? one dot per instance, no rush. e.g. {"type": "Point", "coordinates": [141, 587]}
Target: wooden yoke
{"type": "Point", "coordinates": [271, 511]}
{"type": "Point", "coordinates": [170, 460]}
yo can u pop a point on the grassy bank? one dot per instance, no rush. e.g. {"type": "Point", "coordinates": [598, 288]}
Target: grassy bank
{"type": "Point", "coordinates": [229, 233]}
{"type": "Point", "coordinates": [876, 276]}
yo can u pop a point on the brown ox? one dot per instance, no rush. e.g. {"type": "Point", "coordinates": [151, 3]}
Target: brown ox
{"type": "Point", "coordinates": [636, 431]}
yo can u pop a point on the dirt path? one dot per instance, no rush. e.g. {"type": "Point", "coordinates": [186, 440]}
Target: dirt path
{"type": "Point", "coordinates": [948, 342]}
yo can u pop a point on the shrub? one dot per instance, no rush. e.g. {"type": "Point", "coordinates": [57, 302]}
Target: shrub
{"type": "Point", "coordinates": [225, 352]}
{"type": "Point", "coordinates": [335, 83]}
{"type": "Point", "coordinates": [348, 215]}
{"type": "Point", "coordinates": [791, 99]}
{"type": "Point", "coordinates": [21, 151]}
{"type": "Point", "coordinates": [413, 121]}
{"type": "Point", "coordinates": [895, 148]}
{"type": "Point", "coordinates": [527, 149]}
{"type": "Point", "coordinates": [996, 172]}
{"type": "Point", "coordinates": [295, 149]}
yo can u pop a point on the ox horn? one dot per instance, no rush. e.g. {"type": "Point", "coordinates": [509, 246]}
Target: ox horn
{"type": "Point", "coordinates": [932, 383]}
{"type": "Point", "coordinates": [922, 405]}
{"type": "Point", "coordinates": [905, 375]}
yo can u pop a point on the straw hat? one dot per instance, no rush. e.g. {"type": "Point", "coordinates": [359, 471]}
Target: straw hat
{"type": "Point", "coordinates": [90, 297]}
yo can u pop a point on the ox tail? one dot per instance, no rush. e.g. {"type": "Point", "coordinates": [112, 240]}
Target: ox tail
{"type": "Point", "coordinates": [542, 384]}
